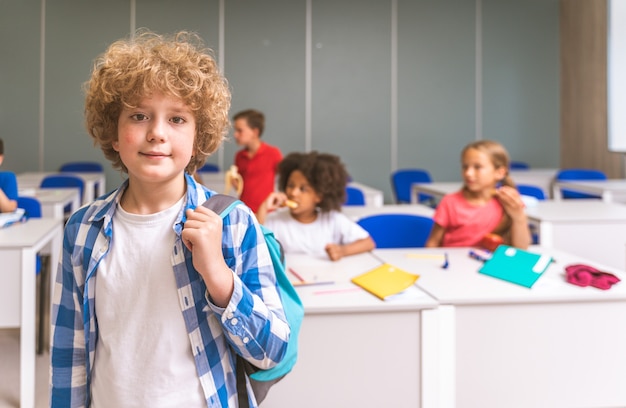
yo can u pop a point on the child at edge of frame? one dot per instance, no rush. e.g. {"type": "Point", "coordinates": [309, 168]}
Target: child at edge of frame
{"type": "Point", "coordinates": [155, 295]}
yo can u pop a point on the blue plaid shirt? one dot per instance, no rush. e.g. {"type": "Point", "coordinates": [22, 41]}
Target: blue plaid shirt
{"type": "Point", "coordinates": [253, 324]}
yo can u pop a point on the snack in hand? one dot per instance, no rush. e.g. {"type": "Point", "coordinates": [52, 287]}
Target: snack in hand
{"type": "Point", "coordinates": [291, 204]}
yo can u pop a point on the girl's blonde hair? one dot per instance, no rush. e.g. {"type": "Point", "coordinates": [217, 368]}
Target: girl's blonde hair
{"type": "Point", "coordinates": [177, 66]}
{"type": "Point", "coordinates": [496, 153]}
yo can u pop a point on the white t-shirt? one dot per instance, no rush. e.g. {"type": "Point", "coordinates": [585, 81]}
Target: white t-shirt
{"type": "Point", "coordinates": [329, 227]}
{"type": "Point", "coordinates": [143, 355]}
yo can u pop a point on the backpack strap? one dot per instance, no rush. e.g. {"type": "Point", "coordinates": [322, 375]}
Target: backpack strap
{"type": "Point", "coordinates": [222, 204]}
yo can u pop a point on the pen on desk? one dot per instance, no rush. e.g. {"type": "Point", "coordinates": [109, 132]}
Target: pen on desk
{"type": "Point", "coordinates": [446, 262]}
{"type": "Point", "coordinates": [296, 274]}
{"type": "Point", "coordinates": [478, 256]}
{"type": "Point", "coordinates": [312, 283]}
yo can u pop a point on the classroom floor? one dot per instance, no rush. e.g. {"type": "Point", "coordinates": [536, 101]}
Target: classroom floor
{"type": "Point", "coordinates": [10, 371]}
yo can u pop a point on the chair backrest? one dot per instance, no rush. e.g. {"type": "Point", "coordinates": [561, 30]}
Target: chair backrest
{"type": "Point", "coordinates": [64, 181]}
{"type": "Point", "coordinates": [209, 168]}
{"type": "Point", "coordinates": [579, 175]}
{"type": "Point", "coordinates": [401, 181]}
{"type": "Point", "coordinates": [530, 190]}
{"type": "Point", "coordinates": [82, 167]}
{"type": "Point", "coordinates": [354, 196]}
{"type": "Point", "coordinates": [519, 165]}
{"type": "Point", "coordinates": [31, 206]}
{"type": "Point", "coordinates": [397, 230]}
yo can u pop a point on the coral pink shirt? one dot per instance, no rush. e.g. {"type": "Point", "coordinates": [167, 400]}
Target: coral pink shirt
{"type": "Point", "coordinates": [466, 224]}
{"type": "Point", "coordinates": [258, 173]}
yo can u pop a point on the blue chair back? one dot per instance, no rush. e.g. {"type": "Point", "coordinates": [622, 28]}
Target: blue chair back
{"type": "Point", "coordinates": [82, 167]}
{"type": "Point", "coordinates": [209, 168]}
{"type": "Point", "coordinates": [397, 230]}
{"type": "Point", "coordinates": [530, 190]}
{"type": "Point", "coordinates": [579, 175]}
{"type": "Point", "coordinates": [32, 209]}
{"type": "Point", "coordinates": [354, 196]}
{"type": "Point", "coordinates": [401, 181]}
{"type": "Point", "coordinates": [31, 206]}
{"type": "Point", "coordinates": [64, 181]}
{"type": "Point", "coordinates": [519, 165]}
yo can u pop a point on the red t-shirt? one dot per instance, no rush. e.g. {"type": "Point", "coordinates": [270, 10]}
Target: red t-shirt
{"type": "Point", "coordinates": [258, 173]}
{"type": "Point", "coordinates": [466, 224]}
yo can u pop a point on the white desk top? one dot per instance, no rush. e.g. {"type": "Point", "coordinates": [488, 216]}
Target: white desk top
{"type": "Point", "coordinates": [52, 195]}
{"type": "Point", "coordinates": [27, 233]}
{"type": "Point", "coordinates": [32, 179]}
{"type": "Point", "coordinates": [579, 210]}
{"type": "Point", "coordinates": [618, 185]}
{"type": "Point", "coordinates": [343, 295]}
{"type": "Point", "coordinates": [461, 284]}
{"type": "Point", "coordinates": [548, 172]}
{"type": "Point", "coordinates": [356, 212]}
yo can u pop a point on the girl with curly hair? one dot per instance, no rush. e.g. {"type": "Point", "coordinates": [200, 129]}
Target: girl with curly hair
{"type": "Point", "coordinates": [313, 189]}
{"type": "Point", "coordinates": [155, 295]}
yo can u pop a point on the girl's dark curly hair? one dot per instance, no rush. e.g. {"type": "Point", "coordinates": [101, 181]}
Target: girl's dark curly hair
{"type": "Point", "coordinates": [325, 173]}
{"type": "Point", "coordinates": [178, 66]}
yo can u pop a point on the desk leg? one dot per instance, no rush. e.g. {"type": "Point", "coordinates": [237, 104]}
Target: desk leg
{"type": "Point", "coordinates": [27, 329]}
{"type": "Point", "coordinates": [546, 234]}
{"type": "Point", "coordinates": [415, 194]}
{"type": "Point", "coordinates": [101, 186]}
{"type": "Point", "coordinates": [438, 357]}
{"type": "Point", "coordinates": [557, 195]}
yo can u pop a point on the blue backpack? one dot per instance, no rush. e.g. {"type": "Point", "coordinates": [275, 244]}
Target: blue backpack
{"type": "Point", "coordinates": [262, 380]}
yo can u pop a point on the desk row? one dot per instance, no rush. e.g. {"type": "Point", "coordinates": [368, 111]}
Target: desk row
{"type": "Point", "coordinates": [457, 338]}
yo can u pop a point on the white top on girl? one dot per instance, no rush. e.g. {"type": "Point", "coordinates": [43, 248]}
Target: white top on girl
{"type": "Point", "coordinates": [329, 227]}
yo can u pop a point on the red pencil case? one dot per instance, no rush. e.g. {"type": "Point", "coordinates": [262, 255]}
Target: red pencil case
{"type": "Point", "coordinates": [585, 275]}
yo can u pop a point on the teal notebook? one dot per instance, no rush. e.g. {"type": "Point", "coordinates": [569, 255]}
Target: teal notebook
{"type": "Point", "coordinates": [516, 265]}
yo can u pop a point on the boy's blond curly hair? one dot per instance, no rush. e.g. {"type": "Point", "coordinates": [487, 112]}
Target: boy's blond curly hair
{"type": "Point", "coordinates": [177, 66]}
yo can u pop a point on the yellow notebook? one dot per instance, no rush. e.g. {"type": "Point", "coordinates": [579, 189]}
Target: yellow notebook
{"type": "Point", "coordinates": [385, 280]}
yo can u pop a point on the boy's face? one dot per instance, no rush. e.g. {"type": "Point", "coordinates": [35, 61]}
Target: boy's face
{"type": "Point", "coordinates": [244, 134]}
{"type": "Point", "coordinates": [156, 139]}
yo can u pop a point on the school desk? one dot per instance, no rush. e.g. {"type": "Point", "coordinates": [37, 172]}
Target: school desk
{"type": "Point", "coordinates": [213, 180]}
{"type": "Point", "coordinates": [373, 196]}
{"type": "Point", "coordinates": [540, 177]}
{"type": "Point", "coordinates": [356, 212]}
{"type": "Point", "coordinates": [504, 345]}
{"type": "Point", "coordinates": [354, 349]}
{"type": "Point", "coordinates": [54, 200]}
{"type": "Point", "coordinates": [436, 189]}
{"type": "Point", "coordinates": [612, 190]}
{"type": "Point", "coordinates": [587, 227]}
{"type": "Point", "coordinates": [19, 245]}
{"type": "Point", "coordinates": [94, 182]}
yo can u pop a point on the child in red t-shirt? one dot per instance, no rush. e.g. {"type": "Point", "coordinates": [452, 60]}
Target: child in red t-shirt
{"type": "Point", "coordinates": [257, 161]}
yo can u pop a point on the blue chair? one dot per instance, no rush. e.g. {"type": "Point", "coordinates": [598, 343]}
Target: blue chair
{"type": "Point", "coordinates": [209, 168]}
{"type": "Point", "coordinates": [519, 165]}
{"type": "Point", "coordinates": [64, 181]}
{"type": "Point", "coordinates": [397, 230]}
{"type": "Point", "coordinates": [82, 167]}
{"type": "Point", "coordinates": [530, 190]}
{"type": "Point", "coordinates": [401, 181]}
{"type": "Point", "coordinates": [354, 196]}
{"type": "Point", "coordinates": [578, 175]}
{"type": "Point", "coordinates": [32, 209]}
